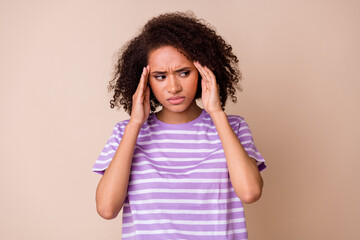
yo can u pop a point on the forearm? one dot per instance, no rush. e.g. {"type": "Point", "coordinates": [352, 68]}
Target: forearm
{"type": "Point", "coordinates": [112, 188]}
{"type": "Point", "coordinates": [244, 174]}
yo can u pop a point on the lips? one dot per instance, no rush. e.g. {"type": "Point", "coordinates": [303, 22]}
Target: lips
{"type": "Point", "coordinates": [176, 100]}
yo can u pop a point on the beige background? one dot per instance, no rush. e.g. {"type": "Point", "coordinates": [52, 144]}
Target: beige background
{"type": "Point", "coordinates": [301, 67]}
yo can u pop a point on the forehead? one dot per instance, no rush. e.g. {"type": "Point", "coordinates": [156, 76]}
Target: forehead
{"type": "Point", "coordinates": [167, 57]}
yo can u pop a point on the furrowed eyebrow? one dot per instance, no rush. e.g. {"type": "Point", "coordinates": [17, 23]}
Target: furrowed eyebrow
{"type": "Point", "coordinates": [183, 69]}
{"type": "Point", "coordinates": [179, 70]}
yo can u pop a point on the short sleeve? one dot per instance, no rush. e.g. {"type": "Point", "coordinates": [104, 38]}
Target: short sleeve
{"type": "Point", "coordinates": [246, 139]}
{"type": "Point", "coordinates": [108, 152]}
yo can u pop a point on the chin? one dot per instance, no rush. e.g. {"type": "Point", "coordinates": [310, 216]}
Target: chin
{"type": "Point", "coordinates": [176, 108]}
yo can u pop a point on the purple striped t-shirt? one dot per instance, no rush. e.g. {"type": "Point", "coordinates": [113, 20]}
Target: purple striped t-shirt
{"type": "Point", "coordinates": [179, 186]}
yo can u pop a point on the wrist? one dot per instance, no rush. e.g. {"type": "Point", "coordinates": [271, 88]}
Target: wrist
{"type": "Point", "coordinates": [219, 118]}
{"type": "Point", "coordinates": [134, 125]}
{"type": "Point", "coordinates": [217, 114]}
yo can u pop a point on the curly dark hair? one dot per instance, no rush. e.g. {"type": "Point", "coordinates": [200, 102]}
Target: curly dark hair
{"type": "Point", "coordinates": [195, 38]}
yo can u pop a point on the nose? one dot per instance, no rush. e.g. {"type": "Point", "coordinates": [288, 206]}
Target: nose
{"type": "Point", "coordinates": [174, 85]}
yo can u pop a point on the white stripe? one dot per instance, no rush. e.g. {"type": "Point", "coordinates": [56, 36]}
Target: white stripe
{"type": "Point", "coordinates": [175, 150]}
{"type": "Point", "coordinates": [189, 180]}
{"type": "Point", "coordinates": [185, 222]}
{"type": "Point", "coordinates": [178, 141]}
{"type": "Point", "coordinates": [234, 117]}
{"type": "Point", "coordinates": [182, 159]}
{"type": "Point", "coordinates": [245, 135]}
{"type": "Point", "coordinates": [250, 150]}
{"type": "Point", "coordinates": [219, 160]}
{"type": "Point", "coordinates": [188, 132]}
{"type": "Point", "coordinates": [243, 127]}
{"type": "Point", "coordinates": [197, 233]}
{"type": "Point", "coordinates": [106, 154]}
{"type": "Point", "coordinates": [184, 201]}
{"type": "Point", "coordinates": [164, 190]}
{"type": "Point", "coordinates": [246, 142]}
{"type": "Point", "coordinates": [153, 125]}
{"type": "Point", "coordinates": [123, 125]}
{"type": "Point", "coordinates": [98, 169]}
{"type": "Point", "coordinates": [160, 159]}
{"type": "Point", "coordinates": [115, 144]}
{"type": "Point", "coordinates": [110, 152]}
{"type": "Point", "coordinates": [259, 161]}
{"type": "Point", "coordinates": [148, 126]}
{"type": "Point", "coordinates": [212, 126]}
{"type": "Point", "coordinates": [210, 170]}
{"type": "Point", "coordinates": [172, 211]}
{"type": "Point", "coordinates": [182, 132]}
{"type": "Point", "coordinates": [175, 174]}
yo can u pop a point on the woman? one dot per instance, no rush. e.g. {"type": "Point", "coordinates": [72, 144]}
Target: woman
{"type": "Point", "coordinates": [182, 172]}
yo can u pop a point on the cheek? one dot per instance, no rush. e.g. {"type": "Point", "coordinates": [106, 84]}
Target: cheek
{"type": "Point", "coordinates": [193, 84]}
{"type": "Point", "coordinates": [154, 87]}
{"type": "Point", "coordinates": [152, 84]}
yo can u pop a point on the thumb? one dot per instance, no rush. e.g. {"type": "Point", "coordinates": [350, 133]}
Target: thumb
{"type": "Point", "coordinates": [147, 94]}
{"type": "Point", "coordinates": [203, 85]}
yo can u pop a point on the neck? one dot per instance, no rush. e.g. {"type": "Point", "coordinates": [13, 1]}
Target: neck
{"type": "Point", "coordinates": [191, 113]}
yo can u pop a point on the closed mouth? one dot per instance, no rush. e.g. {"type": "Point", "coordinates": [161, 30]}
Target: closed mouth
{"type": "Point", "coordinates": [176, 100]}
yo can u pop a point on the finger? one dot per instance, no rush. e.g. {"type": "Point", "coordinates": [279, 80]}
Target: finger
{"type": "Point", "coordinates": [201, 71]}
{"type": "Point", "coordinates": [211, 76]}
{"type": "Point", "coordinates": [147, 74]}
{"type": "Point", "coordinates": [209, 72]}
{"type": "Point", "coordinates": [142, 83]}
{"type": "Point", "coordinates": [207, 78]}
{"type": "Point", "coordinates": [141, 78]}
{"type": "Point", "coordinates": [204, 87]}
{"type": "Point", "coordinates": [147, 93]}
{"type": "Point", "coordinates": [199, 68]}
{"type": "Point", "coordinates": [146, 99]}
{"type": "Point", "coordinates": [146, 86]}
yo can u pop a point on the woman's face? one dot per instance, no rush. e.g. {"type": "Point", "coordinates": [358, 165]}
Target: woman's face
{"type": "Point", "coordinates": [173, 78]}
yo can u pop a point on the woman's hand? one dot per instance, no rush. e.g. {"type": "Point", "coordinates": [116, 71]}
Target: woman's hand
{"type": "Point", "coordinates": [210, 90]}
{"type": "Point", "coordinates": [112, 188]}
{"type": "Point", "coordinates": [141, 100]}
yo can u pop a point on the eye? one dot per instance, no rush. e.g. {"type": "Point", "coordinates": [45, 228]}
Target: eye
{"type": "Point", "coordinates": [185, 73]}
{"type": "Point", "coordinates": [159, 77]}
